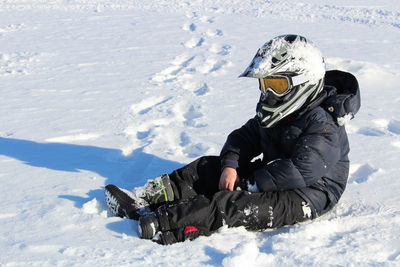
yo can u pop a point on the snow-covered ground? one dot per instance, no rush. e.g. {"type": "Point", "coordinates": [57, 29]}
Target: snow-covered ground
{"type": "Point", "coordinates": [99, 92]}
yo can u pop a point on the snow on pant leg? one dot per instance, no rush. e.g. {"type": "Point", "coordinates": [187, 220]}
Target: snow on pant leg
{"type": "Point", "coordinates": [254, 211]}
{"type": "Point", "coordinates": [259, 211]}
{"type": "Point", "coordinates": [201, 177]}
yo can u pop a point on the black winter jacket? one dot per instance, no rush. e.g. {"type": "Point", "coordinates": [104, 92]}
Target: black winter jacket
{"type": "Point", "coordinates": [307, 152]}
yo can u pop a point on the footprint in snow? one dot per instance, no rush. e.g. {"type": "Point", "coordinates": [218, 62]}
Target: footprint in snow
{"type": "Point", "coordinates": [196, 88]}
{"type": "Point", "coordinates": [148, 104]}
{"type": "Point", "coordinates": [195, 150]}
{"type": "Point", "coordinates": [370, 131]}
{"type": "Point", "coordinates": [225, 50]}
{"type": "Point", "coordinates": [189, 27]}
{"type": "Point", "coordinates": [383, 127]}
{"type": "Point", "coordinates": [192, 150]}
{"type": "Point", "coordinates": [362, 174]}
{"type": "Point", "coordinates": [206, 19]}
{"type": "Point", "coordinates": [394, 126]}
{"type": "Point", "coordinates": [213, 33]}
{"type": "Point", "coordinates": [141, 135]}
{"type": "Point", "coordinates": [221, 50]}
{"type": "Point", "coordinates": [191, 115]}
{"type": "Point", "coordinates": [185, 140]}
{"type": "Point", "coordinates": [194, 42]}
{"type": "Point", "coordinates": [202, 90]}
{"type": "Point", "coordinates": [212, 65]}
{"type": "Point", "coordinates": [179, 64]}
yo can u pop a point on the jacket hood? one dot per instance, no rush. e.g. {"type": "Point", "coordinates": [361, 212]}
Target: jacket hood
{"type": "Point", "coordinates": [340, 97]}
{"type": "Point", "coordinates": [343, 95]}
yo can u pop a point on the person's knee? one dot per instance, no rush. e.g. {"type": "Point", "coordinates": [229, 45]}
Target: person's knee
{"type": "Point", "coordinates": [209, 159]}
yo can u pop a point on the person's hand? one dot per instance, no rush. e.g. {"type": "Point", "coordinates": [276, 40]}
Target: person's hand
{"type": "Point", "coordinates": [229, 178]}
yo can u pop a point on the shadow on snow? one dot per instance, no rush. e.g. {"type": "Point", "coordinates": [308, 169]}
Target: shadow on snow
{"type": "Point", "coordinates": [125, 171]}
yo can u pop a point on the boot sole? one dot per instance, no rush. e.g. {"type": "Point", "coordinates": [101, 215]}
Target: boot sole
{"type": "Point", "coordinates": [116, 199]}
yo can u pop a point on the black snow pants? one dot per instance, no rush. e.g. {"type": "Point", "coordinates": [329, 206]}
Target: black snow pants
{"type": "Point", "coordinates": [199, 203]}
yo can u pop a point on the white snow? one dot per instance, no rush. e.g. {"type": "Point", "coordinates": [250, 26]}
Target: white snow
{"type": "Point", "coordinates": [345, 119]}
{"type": "Point", "coordinates": [99, 92]}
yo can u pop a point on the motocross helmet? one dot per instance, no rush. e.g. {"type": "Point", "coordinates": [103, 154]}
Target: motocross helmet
{"type": "Point", "coordinates": [290, 70]}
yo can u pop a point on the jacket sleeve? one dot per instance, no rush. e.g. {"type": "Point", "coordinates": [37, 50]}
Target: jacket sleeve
{"type": "Point", "coordinates": [242, 145]}
{"type": "Point", "coordinates": [315, 152]}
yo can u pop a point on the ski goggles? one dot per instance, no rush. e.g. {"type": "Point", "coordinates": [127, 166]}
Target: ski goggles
{"type": "Point", "coordinates": [280, 85]}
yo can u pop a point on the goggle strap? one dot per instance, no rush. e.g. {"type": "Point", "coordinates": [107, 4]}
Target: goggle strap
{"type": "Point", "coordinates": [298, 79]}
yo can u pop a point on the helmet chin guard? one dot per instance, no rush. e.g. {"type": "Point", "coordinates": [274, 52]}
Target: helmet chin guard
{"type": "Point", "coordinates": [268, 115]}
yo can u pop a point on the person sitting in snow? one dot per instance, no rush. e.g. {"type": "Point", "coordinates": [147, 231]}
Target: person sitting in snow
{"type": "Point", "coordinates": [298, 129]}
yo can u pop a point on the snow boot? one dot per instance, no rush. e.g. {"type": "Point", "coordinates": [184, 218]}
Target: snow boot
{"type": "Point", "coordinates": [149, 228]}
{"type": "Point", "coordinates": [155, 191]}
{"type": "Point", "coordinates": [123, 203]}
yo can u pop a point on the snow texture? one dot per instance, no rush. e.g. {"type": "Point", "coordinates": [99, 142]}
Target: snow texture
{"type": "Point", "coordinates": [100, 92]}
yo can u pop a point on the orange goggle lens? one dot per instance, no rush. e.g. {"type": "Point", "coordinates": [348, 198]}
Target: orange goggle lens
{"type": "Point", "coordinates": [278, 85]}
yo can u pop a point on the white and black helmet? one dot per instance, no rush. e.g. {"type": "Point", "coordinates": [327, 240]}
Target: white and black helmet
{"type": "Point", "coordinates": [290, 70]}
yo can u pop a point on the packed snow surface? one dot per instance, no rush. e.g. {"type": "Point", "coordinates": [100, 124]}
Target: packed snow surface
{"type": "Point", "coordinates": [100, 92]}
